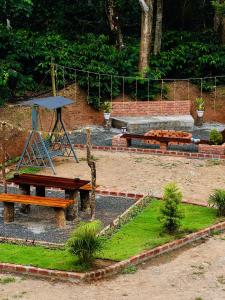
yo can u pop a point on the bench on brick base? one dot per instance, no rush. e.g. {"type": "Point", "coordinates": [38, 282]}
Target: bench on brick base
{"type": "Point", "coordinates": [59, 206]}
{"type": "Point", "coordinates": [124, 140]}
{"type": "Point", "coordinates": [85, 196]}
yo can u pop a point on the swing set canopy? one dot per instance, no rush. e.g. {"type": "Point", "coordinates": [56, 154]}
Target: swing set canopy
{"type": "Point", "coordinates": [49, 102]}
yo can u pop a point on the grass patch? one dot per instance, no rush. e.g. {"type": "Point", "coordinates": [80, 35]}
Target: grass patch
{"type": "Point", "coordinates": [140, 233]}
{"type": "Point", "coordinates": [6, 280]}
{"type": "Point", "coordinates": [27, 170]}
{"type": "Point", "coordinates": [39, 257]}
{"type": "Point", "coordinates": [144, 231]}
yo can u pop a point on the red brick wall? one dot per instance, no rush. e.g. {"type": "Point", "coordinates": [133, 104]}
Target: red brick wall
{"type": "Point", "coordinates": [152, 108]}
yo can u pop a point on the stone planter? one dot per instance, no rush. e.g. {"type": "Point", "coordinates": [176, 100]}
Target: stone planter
{"type": "Point", "coordinates": [212, 149]}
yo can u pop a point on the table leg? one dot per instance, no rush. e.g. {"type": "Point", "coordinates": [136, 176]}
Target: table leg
{"type": "Point", "coordinates": [85, 200]}
{"type": "Point", "coordinates": [25, 190]}
{"type": "Point", "coordinates": [60, 217]}
{"type": "Point", "coordinates": [40, 191]}
{"type": "Point", "coordinates": [72, 210]}
{"type": "Point", "coordinates": [8, 213]}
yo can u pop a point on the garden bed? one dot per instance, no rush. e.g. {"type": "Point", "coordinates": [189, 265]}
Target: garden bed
{"type": "Point", "coordinates": [141, 233]}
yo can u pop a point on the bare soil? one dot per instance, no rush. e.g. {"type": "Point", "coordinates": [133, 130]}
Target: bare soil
{"type": "Point", "coordinates": [189, 274]}
{"type": "Point", "coordinates": [135, 173]}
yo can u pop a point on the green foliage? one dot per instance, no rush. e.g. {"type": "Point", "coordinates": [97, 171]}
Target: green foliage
{"type": "Point", "coordinates": [219, 6]}
{"type": "Point", "coordinates": [106, 106]}
{"type": "Point", "coordinates": [215, 137]}
{"type": "Point", "coordinates": [217, 200]}
{"type": "Point", "coordinates": [200, 103]}
{"type": "Point", "coordinates": [171, 213]}
{"type": "Point", "coordinates": [129, 270]}
{"type": "Point", "coordinates": [84, 242]}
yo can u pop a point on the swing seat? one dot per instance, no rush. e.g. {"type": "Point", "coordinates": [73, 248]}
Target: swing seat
{"type": "Point", "coordinates": [40, 151]}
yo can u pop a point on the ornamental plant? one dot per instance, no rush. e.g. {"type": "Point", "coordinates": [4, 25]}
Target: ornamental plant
{"type": "Point", "coordinates": [171, 214]}
{"type": "Point", "coordinates": [200, 104]}
{"type": "Point", "coordinates": [106, 106]}
{"type": "Point", "coordinates": [84, 242]}
{"type": "Point", "coordinates": [215, 137]}
{"type": "Point", "coordinates": [217, 200]}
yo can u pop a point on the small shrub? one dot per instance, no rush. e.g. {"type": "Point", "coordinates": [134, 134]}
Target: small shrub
{"type": "Point", "coordinates": [84, 241]}
{"type": "Point", "coordinates": [200, 103]}
{"type": "Point", "coordinates": [217, 200]}
{"type": "Point", "coordinates": [215, 137]}
{"type": "Point", "coordinates": [171, 214]}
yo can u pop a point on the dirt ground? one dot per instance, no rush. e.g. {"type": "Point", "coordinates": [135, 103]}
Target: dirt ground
{"type": "Point", "coordinates": [195, 273]}
{"type": "Point", "coordinates": [129, 172]}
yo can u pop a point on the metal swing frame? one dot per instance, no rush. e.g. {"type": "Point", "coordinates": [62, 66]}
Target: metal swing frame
{"type": "Point", "coordinates": [38, 151]}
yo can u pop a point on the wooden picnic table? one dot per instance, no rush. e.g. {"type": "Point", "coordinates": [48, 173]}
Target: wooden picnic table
{"type": "Point", "coordinates": [41, 182]}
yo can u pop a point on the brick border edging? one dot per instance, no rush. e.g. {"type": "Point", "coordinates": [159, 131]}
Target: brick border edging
{"type": "Point", "coordinates": [154, 151]}
{"type": "Point", "coordinates": [115, 268]}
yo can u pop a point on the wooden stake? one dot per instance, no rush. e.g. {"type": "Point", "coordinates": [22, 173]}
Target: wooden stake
{"type": "Point", "coordinates": [3, 157]}
{"type": "Point", "coordinates": [92, 166]}
{"type": "Point", "coordinates": [53, 78]}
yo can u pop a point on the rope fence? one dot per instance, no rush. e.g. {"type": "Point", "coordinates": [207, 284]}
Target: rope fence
{"type": "Point", "coordinates": [138, 88]}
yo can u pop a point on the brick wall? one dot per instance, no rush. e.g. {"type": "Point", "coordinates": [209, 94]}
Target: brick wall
{"type": "Point", "coordinates": [212, 149]}
{"type": "Point", "coordinates": [152, 108]}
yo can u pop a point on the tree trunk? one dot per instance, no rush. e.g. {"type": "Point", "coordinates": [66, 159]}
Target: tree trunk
{"type": "Point", "coordinates": [219, 24]}
{"type": "Point", "coordinates": [114, 25]}
{"type": "Point", "coordinates": [158, 27]}
{"type": "Point", "coordinates": [146, 36]}
{"type": "Point", "coordinates": [92, 166]}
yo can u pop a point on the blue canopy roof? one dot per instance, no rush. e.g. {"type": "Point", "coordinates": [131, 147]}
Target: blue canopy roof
{"type": "Point", "coordinates": [49, 102]}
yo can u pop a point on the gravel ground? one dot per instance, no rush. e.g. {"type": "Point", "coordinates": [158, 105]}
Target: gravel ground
{"type": "Point", "coordinates": [40, 223]}
{"type": "Point", "coordinates": [103, 137]}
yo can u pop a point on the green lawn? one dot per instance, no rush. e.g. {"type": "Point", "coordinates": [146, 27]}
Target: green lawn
{"type": "Point", "coordinates": [39, 257]}
{"type": "Point", "coordinates": [142, 232]}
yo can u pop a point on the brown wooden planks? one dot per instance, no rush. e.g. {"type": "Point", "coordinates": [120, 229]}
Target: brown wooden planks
{"type": "Point", "coordinates": [49, 181]}
{"type": "Point", "coordinates": [35, 200]}
{"type": "Point", "coordinates": [87, 187]}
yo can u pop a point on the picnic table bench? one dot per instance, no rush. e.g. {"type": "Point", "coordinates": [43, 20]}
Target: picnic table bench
{"type": "Point", "coordinates": [69, 185]}
{"type": "Point", "coordinates": [59, 206]}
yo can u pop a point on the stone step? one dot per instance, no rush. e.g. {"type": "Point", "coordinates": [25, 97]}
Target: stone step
{"type": "Point", "coordinates": [144, 124]}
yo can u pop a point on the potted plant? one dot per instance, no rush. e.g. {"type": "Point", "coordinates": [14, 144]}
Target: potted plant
{"type": "Point", "coordinates": [107, 107]}
{"type": "Point", "coordinates": [200, 106]}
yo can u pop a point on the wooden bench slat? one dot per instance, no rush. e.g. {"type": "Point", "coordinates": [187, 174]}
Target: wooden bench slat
{"type": "Point", "coordinates": [36, 200]}
{"type": "Point", "coordinates": [87, 187]}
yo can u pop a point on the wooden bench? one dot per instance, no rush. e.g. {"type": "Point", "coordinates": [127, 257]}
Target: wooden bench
{"type": "Point", "coordinates": [59, 206]}
{"type": "Point", "coordinates": [85, 196]}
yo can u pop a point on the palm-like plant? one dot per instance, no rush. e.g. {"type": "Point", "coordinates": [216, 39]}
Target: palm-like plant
{"type": "Point", "coordinates": [84, 241]}
{"type": "Point", "coordinates": [217, 200]}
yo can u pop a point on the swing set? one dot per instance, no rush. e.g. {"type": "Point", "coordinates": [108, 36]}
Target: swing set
{"type": "Point", "coordinates": [39, 149]}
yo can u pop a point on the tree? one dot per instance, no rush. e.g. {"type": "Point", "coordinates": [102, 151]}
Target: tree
{"type": "Point", "coordinates": [146, 35]}
{"type": "Point", "coordinates": [15, 8]}
{"type": "Point", "coordinates": [171, 214]}
{"type": "Point", "coordinates": [113, 20]}
{"type": "Point", "coordinates": [158, 26]}
{"type": "Point", "coordinates": [219, 18]}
